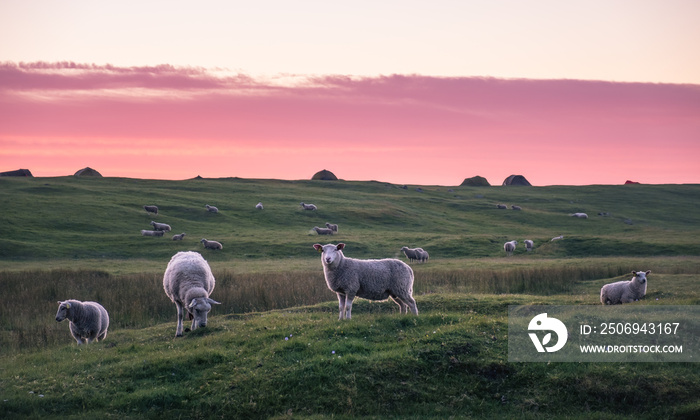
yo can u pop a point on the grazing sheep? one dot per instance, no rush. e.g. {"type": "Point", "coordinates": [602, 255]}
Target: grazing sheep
{"type": "Point", "coordinates": [88, 320]}
{"type": "Point", "coordinates": [625, 291]}
{"type": "Point", "coordinates": [151, 209]}
{"type": "Point", "coordinates": [501, 206]}
{"type": "Point", "coordinates": [323, 231]}
{"type": "Point", "coordinates": [259, 206]}
{"type": "Point", "coordinates": [178, 237]}
{"type": "Point", "coordinates": [211, 209]}
{"type": "Point", "coordinates": [529, 245]}
{"type": "Point", "coordinates": [579, 215]}
{"type": "Point", "coordinates": [509, 247]}
{"type": "Point", "coordinates": [516, 207]}
{"type": "Point", "coordinates": [556, 238]}
{"type": "Point", "coordinates": [188, 282]}
{"type": "Point", "coordinates": [422, 255]}
{"type": "Point", "coordinates": [160, 226]}
{"type": "Point", "coordinates": [411, 253]}
{"type": "Point", "coordinates": [151, 232]}
{"type": "Point", "coordinates": [368, 279]}
{"type": "Point", "coordinates": [211, 244]}
{"type": "Point", "coordinates": [308, 206]}
{"type": "Point", "coordinates": [332, 227]}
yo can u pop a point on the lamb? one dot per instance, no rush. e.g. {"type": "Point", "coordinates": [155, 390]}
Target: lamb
{"type": "Point", "coordinates": [368, 279]}
{"type": "Point", "coordinates": [422, 254]}
{"type": "Point", "coordinates": [579, 215]}
{"type": "Point", "coordinates": [529, 245]}
{"type": "Point", "coordinates": [323, 231]}
{"type": "Point", "coordinates": [411, 253]}
{"type": "Point", "coordinates": [308, 206]}
{"type": "Point", "coordinates": [160, 226]}
{"type": "Point", "coordinates": [211, 244]}
{"type": "Point", "coordinates": [151, 209]}
{"type": "Point", "coordinates": [259, 206]}
{"type": "Point", "coordinates": [211, 209]}
{"type": "Point", "coordinates": [188, 282]}
{"type": "Point", "coordinates": [509, 247]}
{"type": "Point", "coordinates": [88, 320]}
{"type": "Point", "coordinates": [178, 237]}
{"type": "Point", "coordinates": [332, 227]}
{"type": "Point", "coordinates": [151, 232]}
{"type": "Point", "coordinates": [625, 291]}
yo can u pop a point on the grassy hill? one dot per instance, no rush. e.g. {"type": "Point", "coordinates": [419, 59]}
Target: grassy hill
{"type": "Point", "coordinates": [274, 348]}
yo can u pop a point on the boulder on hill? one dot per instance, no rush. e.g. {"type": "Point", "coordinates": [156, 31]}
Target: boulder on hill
{"type": "Point", "coordinates": [517, 180]}
{"type": "Point", "coordinates": [18, 172]}
{"type": "Point", "coordinates": [325, 175]}
{"type": "Point", "coordinates": [475, 181]}
{"type": "Point", "coordinates": [87, 171]}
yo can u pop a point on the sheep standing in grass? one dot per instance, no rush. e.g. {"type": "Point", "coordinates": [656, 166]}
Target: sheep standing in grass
{"type": "Point", "coordinates": [323, 231]}
{"type": "Point", "coordinates": [211, 244]}
{"type": "Point", "coordinates": [509, 247]}
{"type": "Point", "coordinates": [625, 291]}
{"type": "Point", "coordinates": [211, 209]}
{"type": "Point", "coordinates": [368, 279]}
{"type": "Point", "coordinates": [188, 282]}
{"type": "Point", "coordinates": [529, 245]}
{"type": "Point", "coordinates": [178, 237]}
{"type": "Point", "coordinates": [410, 253]}
{"type": "Point", "coordinates": [151, 232]}
{"type": "Point", "coordinates": [259, 206]}
{"type": "Point", "coordinates": [88, 320]}
{"type": "Point", "coordinates": [151, 209]}
{"type": "Point", "coordinates": [332, 227]}
{"type": "Point", "coordinates": [308, 206]}
{"type": "Point", "coordinates": [160, 226]}
{"type": "Point", "coordinates": [422, 254]}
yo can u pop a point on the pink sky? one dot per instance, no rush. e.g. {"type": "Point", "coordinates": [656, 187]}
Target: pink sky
{"type": "Point", "coordinates": [173, 122]}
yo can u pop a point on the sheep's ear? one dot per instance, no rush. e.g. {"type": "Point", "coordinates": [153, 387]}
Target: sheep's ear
{"type": "Point", "coordinates": [634, 272]}
{"type": "Point", "coordinates": [318, 247]}
{"type": "Point", "coordinates": [212, 301]}
{"type": "Point", "coordinates": [340, 246]}
{"type": "Point", "coordinates": [648, 271]}
{"type": "Point", "coordinates": [194, 302]}
{"type": "Point", "coordinates": [68, 305]}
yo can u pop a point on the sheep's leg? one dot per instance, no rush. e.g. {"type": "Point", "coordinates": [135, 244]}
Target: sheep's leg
{"type": "Point", "coordinates": [411, 304]}
{"type": "Point", "coordinates": [348, 305]}
{"type": "Point", "coordinates": [403, 308]}
{"type": "Point", "coordinates": [341, 306]}
{"type": "Point", "coordinates": [74, 332]}
{"type": "Point", "coordinates": [180, 317]}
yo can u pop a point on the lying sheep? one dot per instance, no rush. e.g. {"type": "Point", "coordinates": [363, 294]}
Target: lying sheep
{"type": "Point", "coordinates": [368, 279]}
{"type": "Point", "coordinates": [259, 206]}
{"type": "Point", "coordinates": [422, 254]}
{"type": "Point", "coordinates": [579, 215]}
{"type": "Point", "coordinates": [151, 232]}
{"type": "Point", "coordinates": [509, 247]}
{"type": "Point", "coordinates": [211, 209]}
{"type": "Point", "coordinates": [501, 206]}
{"type": "Point", "coordinates": [323, 231]}
{"type": "Point", "coordinates": [410, 253]}
{"type": "Point", "coordinates": [188, 282]}
{"type": "Point", "coordinates": [625, 291]}
{"type": "Point", "coordinates": [529, 245]}
{"type": "Point", "coordinates": [308, 206]}
{"type": "Point", "coordinates": [516, 207]}
{"type": "Point", "coordinates": [160, 226]}
{"type": "Point", "coordinates": [88, 320]}
{"type": "Point", "coordinates": [151, 209]}
{"type": "Point", "coordinates": [211, 244]}
{"type": "Point", "coordinates": [332, 227]}
{"type": "Point", "coordinates": [178, 237]}
{"type": "Point", "coordinates": [556, 238]}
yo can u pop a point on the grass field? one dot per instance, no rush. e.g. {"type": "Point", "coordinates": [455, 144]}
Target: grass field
{"type": "Point", "coordinates": [274, 348]}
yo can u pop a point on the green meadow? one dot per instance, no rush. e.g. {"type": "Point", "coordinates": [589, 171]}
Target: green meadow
{"type": "Point", "coordinates": [274, 347]}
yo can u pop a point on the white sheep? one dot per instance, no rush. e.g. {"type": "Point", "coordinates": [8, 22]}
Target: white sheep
{"type": "Point", "coordinates": [368, 279]}
{"type": "Point", "coordinates": [259, 206]}
{"type": "Point", "coordinates": [556, 238]}
{"type": "Point", "coordinates": [323, 231]}
{"type": "Point", "coordinates": [422, 254]}
{"type": "Point", "coordinates": [88, 320]}
{"type": "Point", "coordinates": [332, 227]}
{"type": "Point", "coordinates": [178, 237]}
{"type": "Point", "coordinates": [308, 206]}
{"type": "Point", "coordinates": [625, 291]}
{"type": "Point", "coordinates": [160, 226]}
{"type": "Point", "coordinates": [211, 209]}
{"type": "Point", "coordinates": [151, 232]}
{"type": "Point", "coordinates": [188, 282]}
{"type": "Point", "coordinates": [211, 244]}
{"type": "Point", "coordinates": [410, 253]}
{"type": "Point", "coordinates": [529, 245]}
{"type": "Point", "coordinates": [509, 247]}
{"type": "Point", "coordinates": [151, 209]}
{"type": "Point", "coordinates": [579, 215]}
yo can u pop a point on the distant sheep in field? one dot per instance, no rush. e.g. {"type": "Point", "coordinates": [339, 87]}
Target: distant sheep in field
{"type": "Point", "coordinates": [178, 237]}
{"type": "Point", "coordinates": [529, 245]}
{"type": "Point", "coordinates": [188, 282]}
{"type": "Point", "coordinates": [88, 320]}
{"type": "Point", "coordinates": [625, 291]}
{"type": "Point", "coordinates": [367, 279]}
{"type": "Point", "coordinates": [323, 231]}
{"type": "Point", "coordinates": [160, 226]}
{"type": "Point", "coordinates": [410, 253]}
{"type": "Point", "coordinates": [332, 227]}
{"type": "Point", "coordinates": [516, 207]}
{"type": "Point", "coordinates": [259, 206]}
{"type": "Point", "coordinates": [308, 206]}
{"type": "Point", "coordinates": [151, 232]}
{"type": "Point", "coordinates": [422, 254]}
{"type": "Point", "coordinates": [556, 238]}
{"type": "Point", "coordinates": [211, 244]}
{"type": "Point", "coordinates": [509, 247]}
{"type": "Point", "coordinates": [151, 209]}
{"type": "Point", "coordinates": [579, 215]}
{"type": "Point", "coordinates": [501, 206]}
{"type": "Point", "coordinates": [211, 209]}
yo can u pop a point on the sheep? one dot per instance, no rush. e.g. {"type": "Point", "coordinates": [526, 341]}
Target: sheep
{"type": "Point", "coordinates": [211, 244]}
{"type": "Point", "coordinates": [259, 206]}
{"type": "Point", "coordinates": [151, 232]}
{"type": "Point", "coordinates": [178, 237]}
{"type": "Point", "coordinates": [160, 226]}
{"type": "Point", "coordinates": [188, 282]}
{"type": "Point", "coordinates": [368, 279]}
{"type": "Point", "coordinates": [151, 209]}
{"type": "Point", "coordinates": [211, 209]}
{"type": "Point", "coordinates": [625, 291]}
{"type": "Point", "coordinates": [422, 254]}
{"type": "Point", "coordinates": [516, 207]}
{"type": "Point", "coordinates": [88, 320]}
{"type": "Point", "coordinates": [579, 215]}
{"type": "Point", "coordinates": [308, 206]}
{"type": "Point", "coordinates": [501, 206]}
{"type": "Point", "coordinates": [332, 227]}
{"type": "Point", "coordinates": [556, 238]}
{"type": "Point", "coordinates": [411, 253]}
{"type": "Point", "coordinates": [529, 244]}
{"type": "Point", "coordinates": [509, 247]}
{"type": "Point", "coordinates": [323, 231]}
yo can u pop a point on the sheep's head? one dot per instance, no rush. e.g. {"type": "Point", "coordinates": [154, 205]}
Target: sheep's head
{"type": "Point", "coordinates": [641, 276]}
{"type": "Point", "coordinates": [62, 313]}
{"type": "Point", "coordinates": [198, 310]}
{"type": "Point", "coordinates": [330, 253]}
